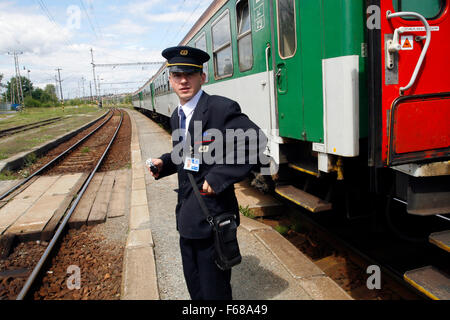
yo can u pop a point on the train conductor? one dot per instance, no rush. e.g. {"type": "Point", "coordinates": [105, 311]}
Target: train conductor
{"type": "Point", "coordinates": [205, 281]}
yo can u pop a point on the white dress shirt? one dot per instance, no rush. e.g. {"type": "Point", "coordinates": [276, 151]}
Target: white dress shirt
{"type": "Point", "coordinates": [189, 107]}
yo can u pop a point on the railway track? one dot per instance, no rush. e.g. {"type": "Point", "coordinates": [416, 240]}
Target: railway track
{"type": "Point", "coordinates": [14, 130]}
{"type": "Point", "coordinates": [42, 167]}
{"type": "Point", "coordinates": [348, 250]}
{"type": "Point", "coordinates": [99, 142]}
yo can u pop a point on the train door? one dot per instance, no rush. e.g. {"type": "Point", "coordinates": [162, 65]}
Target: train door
{"type": "Point", "coordinates": [415, 80]}
{"type": "Point", "coordinates": [152, 94]}
{"type": "Point", "coordinates": [141, 102]}
{"type": "Point", "coordinates": [288, 74]}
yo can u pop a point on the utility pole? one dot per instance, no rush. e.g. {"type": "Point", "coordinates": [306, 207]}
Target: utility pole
{"type": "Point", "coordinates": [29, 93]}
{"type": "Point", "coordinates": [60, 87]}
{"type": "Point", "coordinates": [82, 81]}
{"type": "Point", "coordinates": [18, 78]}
{"type": "Point", "coordinates": [56, 86]}
{"type": "Point", "coordinates": [98, 83]}
{"type": "Point", "coordinates": [90, 90]}
{"type": "Point", "coordinates": [93, 72]}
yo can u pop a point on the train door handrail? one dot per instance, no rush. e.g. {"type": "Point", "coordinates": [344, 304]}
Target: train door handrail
{"type": "Point", "coordinates": [390, 15]}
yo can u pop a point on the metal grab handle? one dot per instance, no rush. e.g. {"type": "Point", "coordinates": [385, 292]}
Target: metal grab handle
{"type": "Point", "coordinates": [390, 15]}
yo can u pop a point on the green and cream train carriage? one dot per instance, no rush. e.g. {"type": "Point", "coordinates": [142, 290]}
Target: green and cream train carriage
{"type": "Point", "coordinates": [308, 73]}
{"type": "Point", "coordinates": [311, 101]}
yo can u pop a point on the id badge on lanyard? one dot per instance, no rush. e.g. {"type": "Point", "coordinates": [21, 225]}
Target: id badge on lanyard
{"type": "Point", "coordinates": [192, 164]}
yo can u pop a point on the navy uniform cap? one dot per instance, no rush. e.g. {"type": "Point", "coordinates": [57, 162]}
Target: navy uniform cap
{"type": "Point", "coordinates": [185, 59]}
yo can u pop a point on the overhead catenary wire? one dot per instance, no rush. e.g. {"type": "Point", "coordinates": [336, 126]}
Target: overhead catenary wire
{"type": "Point", "coordinates": [89, 18]}
{"type": "Point", "coordinates": [185, 21]}
{"type": "Point", "coordinates": [47, 13]}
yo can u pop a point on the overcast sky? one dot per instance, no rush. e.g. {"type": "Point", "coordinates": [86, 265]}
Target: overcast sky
{"type": "Point", "coordinates": [59, 34]}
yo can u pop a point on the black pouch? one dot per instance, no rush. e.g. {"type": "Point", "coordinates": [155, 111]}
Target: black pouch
{"type": "Point", "coordinates": [225, 233]}
{"type": "Point", "coordinates": [225, 241]}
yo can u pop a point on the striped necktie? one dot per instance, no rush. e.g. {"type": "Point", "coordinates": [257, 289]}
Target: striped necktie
{"type": "Point", "coordinates": [182, 124]}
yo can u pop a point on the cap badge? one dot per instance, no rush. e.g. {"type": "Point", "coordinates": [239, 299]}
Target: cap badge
{"type": "Point", "coordinates": [184, 52]}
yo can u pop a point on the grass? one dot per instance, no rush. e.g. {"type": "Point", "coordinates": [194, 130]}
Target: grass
{"type": "Point", "coordinates": [246, 212]}
{"type": "Point", "coordinates": [85, 149]}
{"type": "Point", "coordinates": [29, 139]}
{"type": "Point", "coordinates": [283, 230]}
{"type": "Point", "coordinates": [7, 175]}
{"type": "Point", "coordinates": [31, 115]}
{"type": "Point", "coordinates": [30, 159]}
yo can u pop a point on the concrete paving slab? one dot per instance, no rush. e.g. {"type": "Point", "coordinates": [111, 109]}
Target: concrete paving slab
{"type": "Point", "coordinates": [17, 206]}
{"type": "Point", "coordinates": [139, 275]}
{"type": "Point", "coordinates": [65, 184]}
{"type": "Point", "coordinates": [138, 198]}
{"type": "Point", "coordinates": [11, 212]}
{"type": "Point", "coordinates": [260, 276]}
{"type": "Point", "coordinates": [35, 219]}
{"type": "Point", "coordinates": [138, 184]}
{"type": "Point", "coordinates": [139, 238]}
{"type": "Point", "coordinates": [139, 217]}
{"type": "Point", "coordinates": [298, 265]}
{"type": "Point", "coordinates": [323, 288]}
{"type": "Point", "coordinates": [49, 229]}
{"type": "Point", "coordinates": [56, 196]}
{"type": "Point", "coordinates": [253, 225]}
{"type": "Point", "coordinates": [99, 208]}
{"type": "Point", "coordinates": [8, 184]}
{"type": "Point", "coordinates": [121, 192]}
{"type": "Point", "coordinates": [80, 215]}
{"type": "Point", "coordinates": [36, 189]}
{"type": "Point", "coordinates": [260, 204]}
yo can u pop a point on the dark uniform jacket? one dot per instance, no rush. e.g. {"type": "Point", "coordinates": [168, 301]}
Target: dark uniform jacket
{"type": "Point", "coordinates": [214, 112]}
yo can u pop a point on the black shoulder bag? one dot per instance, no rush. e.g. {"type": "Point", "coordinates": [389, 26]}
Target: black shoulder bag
{"type": "Point", "coordinates": [225, 233]}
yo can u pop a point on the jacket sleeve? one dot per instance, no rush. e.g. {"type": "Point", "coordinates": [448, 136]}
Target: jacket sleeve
{"type": "Point", "coordinates": [221, 176]}
{"type": "Point", "coordinates": [168, 167]}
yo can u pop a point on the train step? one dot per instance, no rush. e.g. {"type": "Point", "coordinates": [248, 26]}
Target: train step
{"type": "Point", "coordinates": [441, 239]}
{"type": "Point", "coordinates": [432, 282]}
{"type": "Point", "coordinates": [308, 168]}
{"type": "Point", "coordinates": [302, 198]}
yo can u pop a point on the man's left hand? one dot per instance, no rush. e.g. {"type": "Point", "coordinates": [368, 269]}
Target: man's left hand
{"type": "Point", "coordinates": [206, 189]}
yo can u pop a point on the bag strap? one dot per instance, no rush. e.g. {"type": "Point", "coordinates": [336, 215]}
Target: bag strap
{"type": "Point", "coordinates": [200, 199]}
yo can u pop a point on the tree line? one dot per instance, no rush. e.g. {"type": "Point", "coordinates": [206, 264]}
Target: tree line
{"type": "Point", "coordinates": [33, 97]}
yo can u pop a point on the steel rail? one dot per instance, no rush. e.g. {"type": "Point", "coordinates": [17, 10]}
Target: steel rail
{"type": "Point", "coordinates": [54, 160]}
{"type": "Point", "coordinates": [61, 227]}
{"type": "Point", "coordinates": [29, 126]}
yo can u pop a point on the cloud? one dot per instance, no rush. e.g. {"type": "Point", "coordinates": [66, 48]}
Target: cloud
{"type": "Point", "coordinates": [141, 7]}
{"type": "Point", "coordinates": [30, 33]}
{"type": "Point", "coordinates": [128, 27]}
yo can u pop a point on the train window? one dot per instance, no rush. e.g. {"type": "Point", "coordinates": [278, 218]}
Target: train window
{"type": "Point", "coordinates": [430, 9]}
{"type": "Point", "coordinates": [244, 37]}
{"type": "Point", "coordinates": [286, 28]}
{"type": "Point", "coordinates": [222, 53]}
{"type": "Point", "coordinates": [200, 43]}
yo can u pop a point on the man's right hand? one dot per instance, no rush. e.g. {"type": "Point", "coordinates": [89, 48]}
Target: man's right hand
{"type": "Point", "coordinates": [159, 164]}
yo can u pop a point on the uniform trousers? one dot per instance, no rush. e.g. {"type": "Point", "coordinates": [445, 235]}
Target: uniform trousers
{"type": "Point", "coordinates": [205, 281]}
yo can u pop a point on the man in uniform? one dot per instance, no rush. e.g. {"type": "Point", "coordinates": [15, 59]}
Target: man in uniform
{"type": "Point", "coordinates": [214, 180]}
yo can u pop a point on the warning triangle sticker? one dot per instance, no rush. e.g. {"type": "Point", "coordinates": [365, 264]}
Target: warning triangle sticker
{"type": "Point", "coordinates": [407, 44]}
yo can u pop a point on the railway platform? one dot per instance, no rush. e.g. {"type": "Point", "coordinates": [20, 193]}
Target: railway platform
{"type": "Point", "coordinates": [271, 268]}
